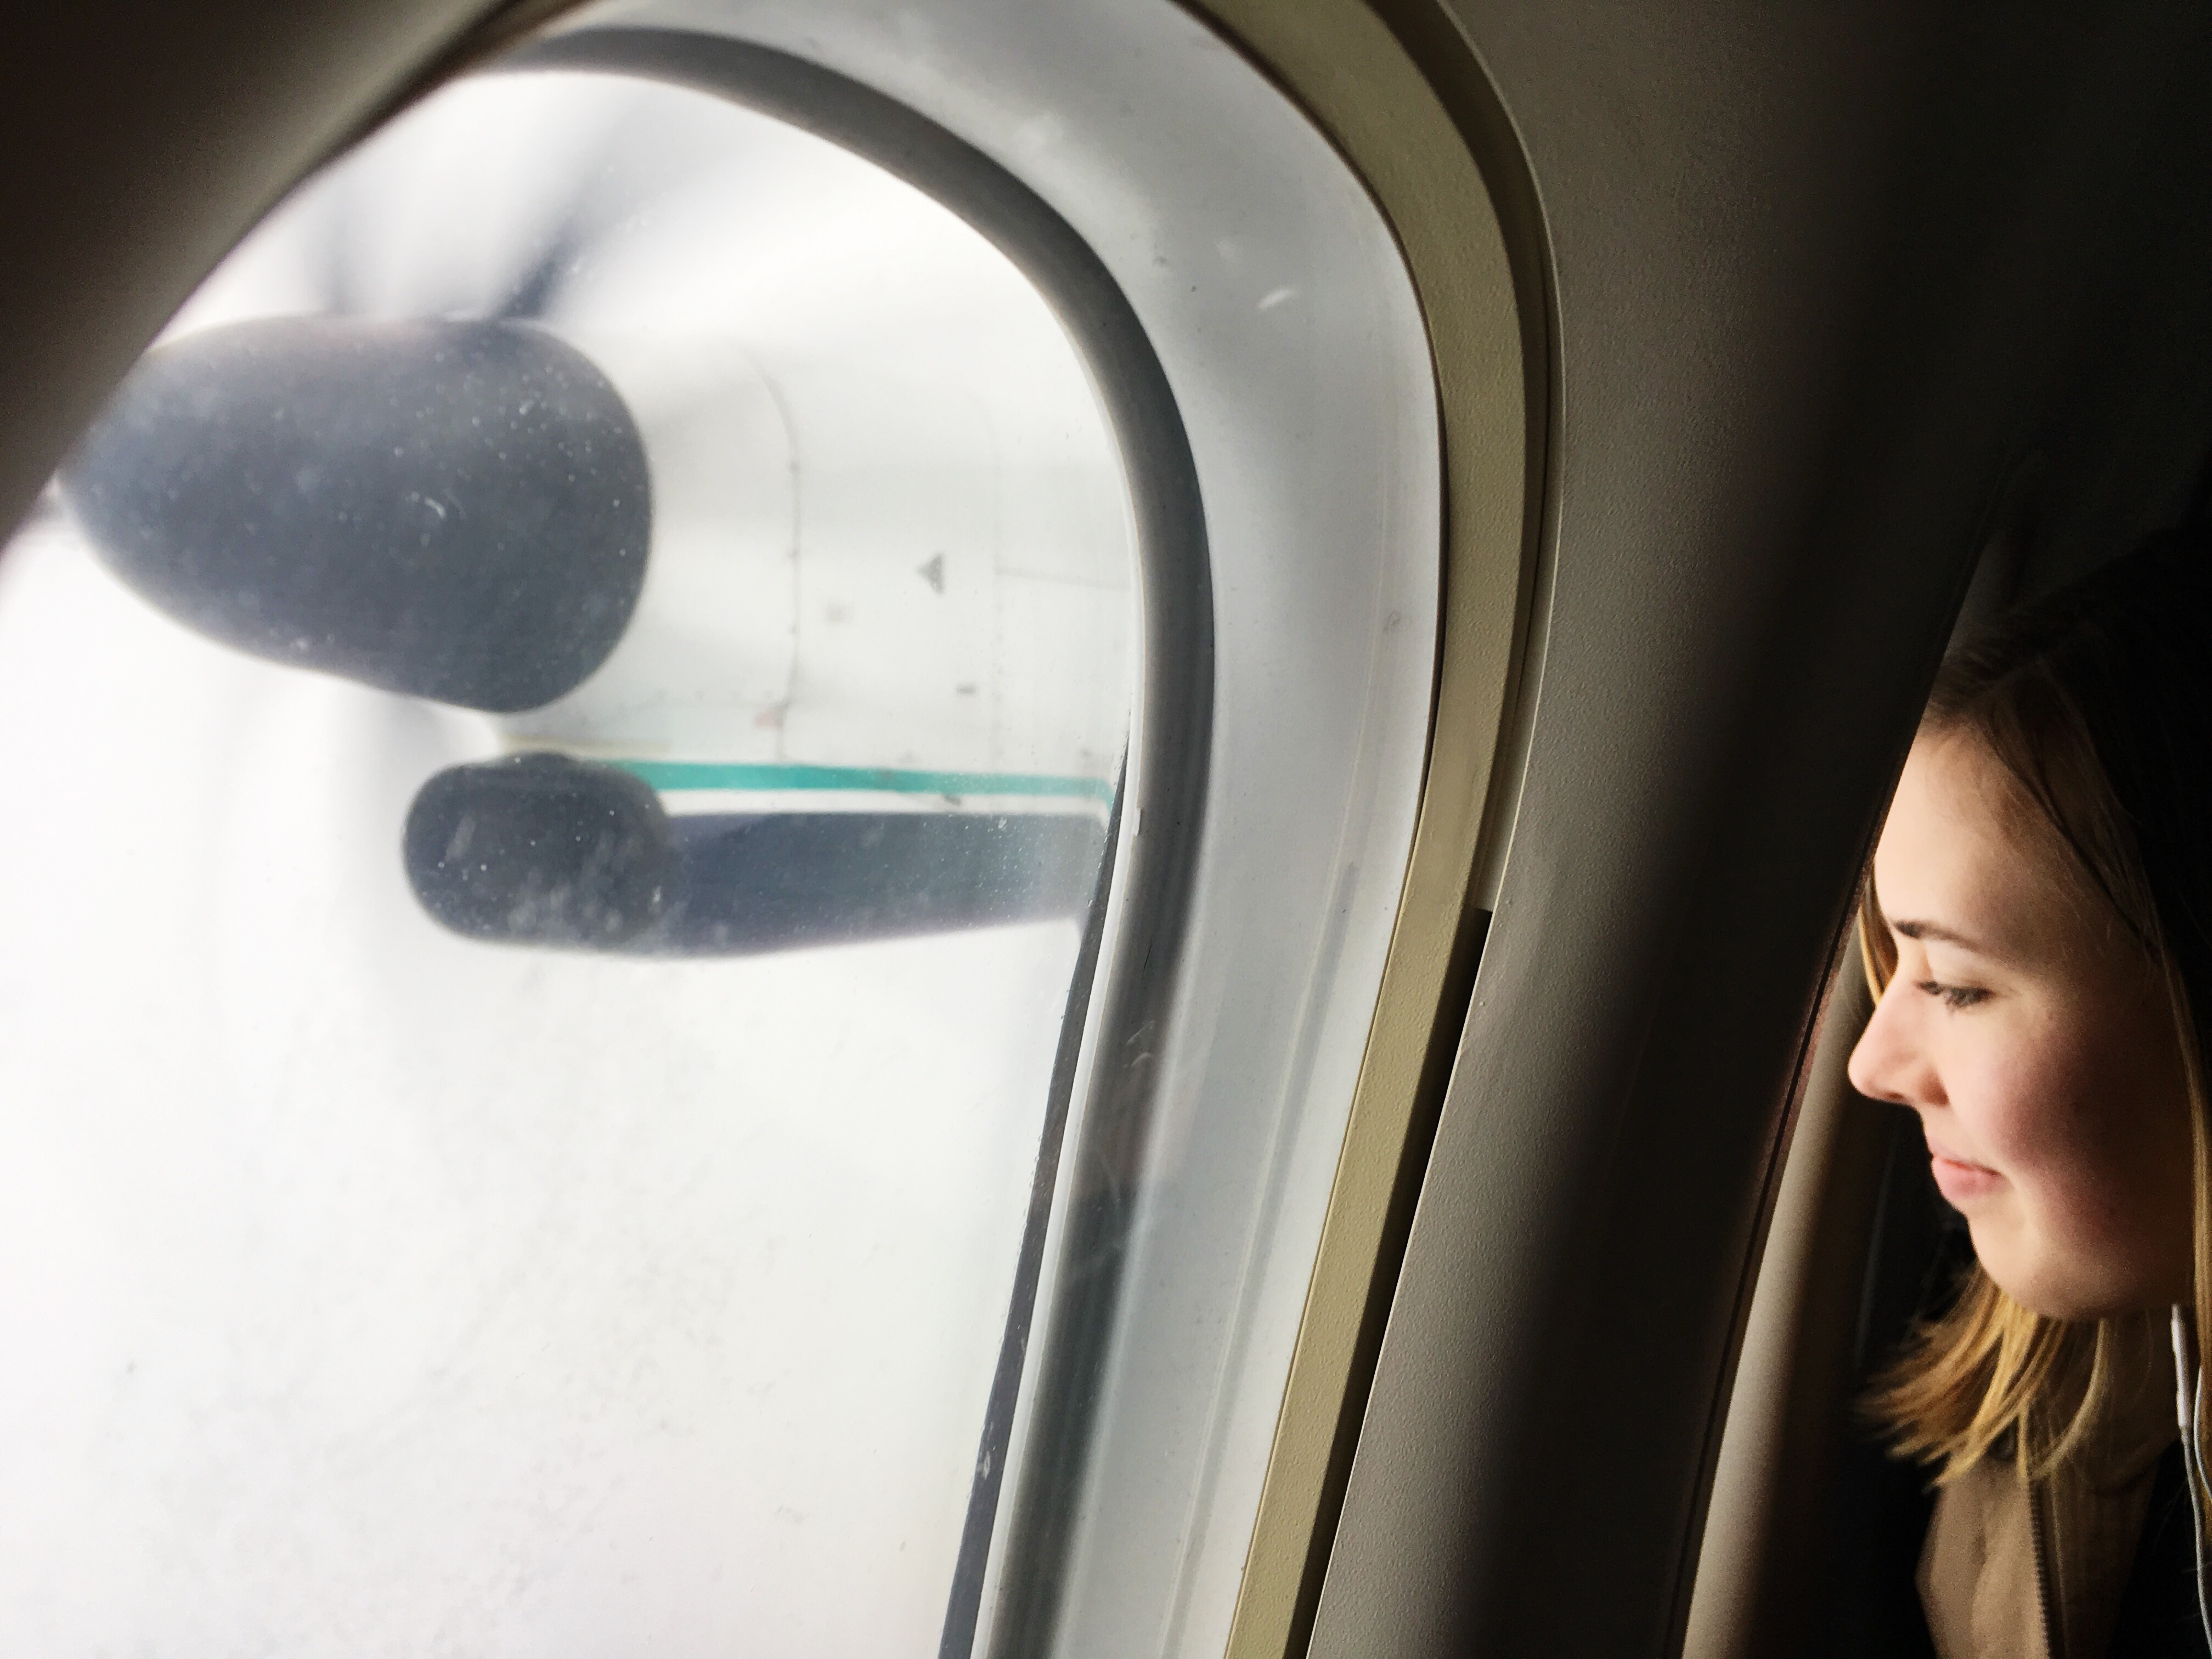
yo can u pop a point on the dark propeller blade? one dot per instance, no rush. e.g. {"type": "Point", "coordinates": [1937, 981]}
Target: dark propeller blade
{"type": "Point", "coordinates": [455, 510]}
{"type": "Point", "coordinates": [542, 850]}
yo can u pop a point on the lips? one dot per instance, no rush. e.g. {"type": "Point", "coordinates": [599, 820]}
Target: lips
{"type": "Point", "coordinates": [1959, 1180]}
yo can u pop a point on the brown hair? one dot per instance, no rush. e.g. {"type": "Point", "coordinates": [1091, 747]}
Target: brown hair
{"type": "Point", "coordinates": [2098, 702]}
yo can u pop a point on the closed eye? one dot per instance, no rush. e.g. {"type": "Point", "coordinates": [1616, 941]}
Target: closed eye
{"type": "Point", "coordinates": [1953, 996]}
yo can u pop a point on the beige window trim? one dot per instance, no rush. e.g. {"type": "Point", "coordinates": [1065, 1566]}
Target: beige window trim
{"type": "Point", "coordinates": [1349, 70]}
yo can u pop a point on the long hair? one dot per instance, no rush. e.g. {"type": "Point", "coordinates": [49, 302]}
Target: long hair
{"type": "Point", "coordinates": [2098, 702]}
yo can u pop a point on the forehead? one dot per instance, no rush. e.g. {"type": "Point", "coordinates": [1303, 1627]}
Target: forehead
{"type": "Point", "coordinates": [1961, 850]}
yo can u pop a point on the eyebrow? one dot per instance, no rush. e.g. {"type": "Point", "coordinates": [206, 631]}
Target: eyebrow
{"type": "Point", "coordinates": [1942, 935]}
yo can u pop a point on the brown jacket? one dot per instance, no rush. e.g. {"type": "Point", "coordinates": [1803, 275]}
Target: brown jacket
{"type": "Point", "coordinates": [2015, 1571]}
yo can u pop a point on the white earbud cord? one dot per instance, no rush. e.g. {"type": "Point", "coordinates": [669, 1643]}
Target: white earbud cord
{"type": "Point", "coordinates": [2189, 1411]}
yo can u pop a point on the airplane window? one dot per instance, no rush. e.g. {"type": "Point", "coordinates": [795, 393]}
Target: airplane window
{"type": "Point", "coordinates": [716, 768]}
{"type": "Point", "coordinates": [565, 730]}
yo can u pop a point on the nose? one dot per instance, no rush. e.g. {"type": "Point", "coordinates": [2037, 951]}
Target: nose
{"type": "Point", "coordinates": [1889, 1063]}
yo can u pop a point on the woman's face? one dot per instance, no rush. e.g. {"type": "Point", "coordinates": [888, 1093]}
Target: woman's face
{"type": "Point", "coordinates": [2032, 1037]}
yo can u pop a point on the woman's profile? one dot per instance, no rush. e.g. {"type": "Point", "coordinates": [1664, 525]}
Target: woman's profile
{"type": "Point", "coordinates": [2037, 931]}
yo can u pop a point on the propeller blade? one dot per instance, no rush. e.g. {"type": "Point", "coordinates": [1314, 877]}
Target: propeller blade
{"type": "Point", "coordinates": [543, 850]}
{"type": "Point", "coordinates": [456, 510]}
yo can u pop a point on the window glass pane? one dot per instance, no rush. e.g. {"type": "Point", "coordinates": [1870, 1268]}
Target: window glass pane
{"type": "Point", "coordinates": [563, 731]}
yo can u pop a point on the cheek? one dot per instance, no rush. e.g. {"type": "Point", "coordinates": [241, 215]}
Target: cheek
{"type": "Point", "coordinates": [2087, 1126]}
{"type": "Point", "coordinates": [2029, 1101]}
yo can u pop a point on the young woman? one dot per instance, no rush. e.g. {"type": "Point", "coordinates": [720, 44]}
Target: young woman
{"type": "Point", "coordinates": [2038, 929]}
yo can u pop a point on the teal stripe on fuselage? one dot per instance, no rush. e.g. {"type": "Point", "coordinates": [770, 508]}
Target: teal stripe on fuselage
{"type": "Point", "coordinates": [671, 775]}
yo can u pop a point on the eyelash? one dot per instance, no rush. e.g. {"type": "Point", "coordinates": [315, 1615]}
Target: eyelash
{"type": "Point", "coordinates": [1954, 996]}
